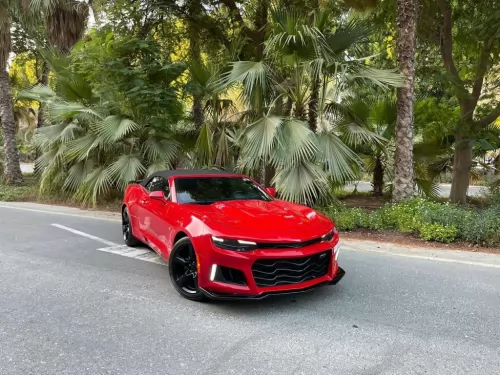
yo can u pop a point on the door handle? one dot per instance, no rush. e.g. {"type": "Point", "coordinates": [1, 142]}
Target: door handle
{"type": "Point", "coordinates": [143, 201]}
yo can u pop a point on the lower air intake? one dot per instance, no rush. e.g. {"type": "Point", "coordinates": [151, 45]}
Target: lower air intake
{"type": "Point", "coordinates": [276, 272]}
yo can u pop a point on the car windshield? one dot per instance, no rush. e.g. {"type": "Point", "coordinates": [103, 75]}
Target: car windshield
{"type": "Point", "coordinates": [208, 190]}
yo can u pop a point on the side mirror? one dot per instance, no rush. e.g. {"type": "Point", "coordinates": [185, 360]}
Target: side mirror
{"type": "Point", "coordinates": [271, 192]}
{"type": "Point", "coordinates": [157, 195]}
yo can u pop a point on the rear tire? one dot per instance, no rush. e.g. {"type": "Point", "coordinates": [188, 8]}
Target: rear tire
{"type": "Point", "coordinates": [128, 236]}
{"type": "Point", "coordinates": [182, 267]}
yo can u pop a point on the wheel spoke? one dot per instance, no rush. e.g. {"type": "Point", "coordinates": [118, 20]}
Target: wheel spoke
{"type": "Point", "coordinates": [191, 252]}
{"type": "Point", "coordinates": [182, 261]}
{"type": "Point", "coordinates": [183, 280]}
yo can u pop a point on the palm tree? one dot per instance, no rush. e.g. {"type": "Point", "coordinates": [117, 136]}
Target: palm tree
{"type": "Point", "coordinates": [379, 114]}
{"type": "Point", "coordinates": [64, 23]}
{"type": "Point", "coordinates": [297, 53]}
{"type": "Point", "coordinates": [92, 148]}
{"type": "Point", "coordinates": [404, 174]}
{"type": "Point", "coordinates": [12, 169]}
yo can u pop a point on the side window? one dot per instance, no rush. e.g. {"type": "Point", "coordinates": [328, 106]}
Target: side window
{"type": "Point", "coordinates": [158, 184]}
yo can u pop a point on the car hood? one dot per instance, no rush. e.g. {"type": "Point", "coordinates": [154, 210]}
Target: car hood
{"type": "Point", "coordinates": [273, 220]}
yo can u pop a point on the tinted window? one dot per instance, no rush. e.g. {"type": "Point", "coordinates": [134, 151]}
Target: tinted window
{"type": "Point", "coordinates": [206, 190]}
{"type": "Point", "coordinates": [158, 184]}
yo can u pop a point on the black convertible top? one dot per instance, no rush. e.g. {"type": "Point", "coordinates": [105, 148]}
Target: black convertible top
{"type": "Point", "coordinates": [185, 172]}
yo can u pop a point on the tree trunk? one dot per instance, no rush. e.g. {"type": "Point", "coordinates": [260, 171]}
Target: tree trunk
{"type": "Point", "coordinates": [299, 113]}
{"type": "Point", "coordinates": [288, 107]}
{"type": "Point", "coordinates": [269, 173]}
{"type": "Point", "coordinates": [260, 24]}
{"type": "Point", "coordinates": [406, 23]}
{"type": "Point", "coordinates": [12, 169]}
{"type": "Point", "coordinates": [44, 80]}
{"type": "Point", "coordinates": [313, 105]}
{"type": "Point", "coordinates": [194, 9]}
{"type": "Point", "coordinates": [462, 164]}
{"type": "Point", "coordinates": [378, 177]}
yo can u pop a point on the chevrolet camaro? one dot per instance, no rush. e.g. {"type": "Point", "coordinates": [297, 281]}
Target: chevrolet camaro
{"type": "Point", "coordinates": [224, 236]}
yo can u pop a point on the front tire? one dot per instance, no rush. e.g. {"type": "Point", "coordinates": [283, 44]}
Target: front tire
{"type": "Point", "coordinates": [182, 267]}
{"type": "Point", "coordinates": [128, 236]}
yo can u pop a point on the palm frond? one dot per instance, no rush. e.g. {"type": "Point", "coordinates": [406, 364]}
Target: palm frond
{"type": "Point", "coordinates": [161, 151]}
{"type": "Point", "coordinates": [126, 168]}
{"type": "Point", "coordinates": [114, 128]}
{"type": "Point", "coordinates": [302, 183]}
{"type": "Point", "coordinates": [338, 158]}
{"type": "Point", "coordinates": [39, 93]}
{"type": "Point", "coordinates": [293, 36]}
{"type": "Point", "coordinates": [224, 141]}
{"type": "Point", "coordinates": [383, 78]}
{"type": "Point", "coordinates": [204, 145]}
{"type": "Point", "coordinates": [428, 187]}
{"type": "Point", "coordinates": [156, 167]}
{"type": "Point", "coordinates": [255, 76]}
{"type": "Point", "coordinates": [259, 139]}
{"type": "Point", "coordinates": [77, 174]}
{"type": "Point", "coordinates": [98, 183]}
{"type": "Point", "coordinates": [80, 148]}
{"type": "Point", "coordinates": [350, 36]}
{"type": "Point", "coordinates": [295, 143]}
{"type": "Point", "coordinates": [59, 110]}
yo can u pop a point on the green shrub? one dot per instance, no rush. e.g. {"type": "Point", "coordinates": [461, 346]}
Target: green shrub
{"type": "Point", "coordinates": [438, 232]}
{"type": "Point", "coordinates": [345, 218]}
{"type": "Point", "coordinates": [21, 193]}
{"type": "Point", "coordinates": [442, 222]}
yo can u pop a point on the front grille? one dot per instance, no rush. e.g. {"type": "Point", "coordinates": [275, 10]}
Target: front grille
{"type": "Point", "coordinates": [288, 245]}
{"type": "Point", "coordinates": [275, 272]}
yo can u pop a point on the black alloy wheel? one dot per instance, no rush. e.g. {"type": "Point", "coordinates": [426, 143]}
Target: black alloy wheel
{"type": "Point", "coordinates": [128, 236]}
{"type": "Point", "coordinates": [183, 270]}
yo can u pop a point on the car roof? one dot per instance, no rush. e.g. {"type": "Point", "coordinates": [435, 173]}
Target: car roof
{"type": "Point", "coordinates": [186, 173]}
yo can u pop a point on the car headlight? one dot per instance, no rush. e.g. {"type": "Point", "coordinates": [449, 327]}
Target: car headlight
{"type": "Point", "coordinates": [235, 245]}
{"type": "Point", "coordinates": [329, 236]}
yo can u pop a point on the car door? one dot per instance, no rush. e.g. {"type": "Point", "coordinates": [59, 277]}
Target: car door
{"type": "Point", "coordinates": [144, 208]}
{"type": "Point", "coordinates": [160, 227]}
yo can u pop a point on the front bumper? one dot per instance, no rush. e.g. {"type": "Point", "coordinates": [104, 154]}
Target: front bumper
{"type": "Point", "coordinates": [254, 289]}
{"type": "Point", "coordinates": [234, 296]}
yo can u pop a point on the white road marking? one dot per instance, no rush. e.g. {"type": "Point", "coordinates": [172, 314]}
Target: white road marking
{"type": "Point", "coordinates": [60, 213]}
{"type": "Point", "coordinates": [106, 242]}
{"type": "Point", "coordinates": [143, 254]}
{"type": "Point", "coordinates": [446, 260]}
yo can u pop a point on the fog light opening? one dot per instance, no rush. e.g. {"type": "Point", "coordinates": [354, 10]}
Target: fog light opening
{"type": "Point", "coordinates": [336, 251]}
{"type": "Point", "coordinates": [213, 271]}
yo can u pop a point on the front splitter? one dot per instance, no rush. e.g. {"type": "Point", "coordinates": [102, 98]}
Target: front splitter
{"type": "Point", "coordinates": [226, 296]}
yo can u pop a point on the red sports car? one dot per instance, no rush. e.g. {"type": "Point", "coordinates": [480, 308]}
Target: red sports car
{"type": "Point", "coordinates": [224, 236]}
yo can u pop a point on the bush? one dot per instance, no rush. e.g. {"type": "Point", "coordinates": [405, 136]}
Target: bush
{"type": "Point", "coordinates": [432, 221]}
{"type": "Point", "coordinates": [346, 219]}
{"type": "Point", "coordinates": [25, 192]}
{"type": "Point", "coordinates": [438, 232]}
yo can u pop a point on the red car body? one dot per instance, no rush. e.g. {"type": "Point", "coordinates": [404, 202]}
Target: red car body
{"type": "Point", "coordinates": [291, 252]}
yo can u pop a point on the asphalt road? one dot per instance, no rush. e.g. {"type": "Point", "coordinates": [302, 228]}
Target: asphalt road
{"type": "Point", "coordinates": [68, 308]}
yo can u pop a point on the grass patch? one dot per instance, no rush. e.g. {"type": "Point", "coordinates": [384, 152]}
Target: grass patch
{"type": "Point", "coordinates": [29, 191]}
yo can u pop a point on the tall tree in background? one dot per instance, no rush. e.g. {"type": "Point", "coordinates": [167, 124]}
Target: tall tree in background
{"type": "Point", "coordinates": [65, 23]}
{"type": "Point", "coordinates": [12, 169]}
{"type": "Point", "coordinates": [406, 27]}
{"type": "Point", "coordinates": [473, 30]}
{"type": "Point", "coordinates": [194, 8]}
